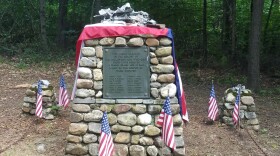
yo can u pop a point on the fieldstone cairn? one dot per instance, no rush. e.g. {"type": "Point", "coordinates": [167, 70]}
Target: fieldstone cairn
{"type": "Point", "coordinates": [50, 107]}
{"type": "Point", "coordinates": [247, 108]}
{"type": "Point", "coordinates": [132, 121]}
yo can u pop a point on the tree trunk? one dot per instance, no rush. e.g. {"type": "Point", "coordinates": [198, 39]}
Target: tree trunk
{"type": "Point", "coordinates": [204, 32]}
{"type": "Point", "coordinates": [253, 80]}
{"type": "Point", "coordinates": [62, 23]}
{"type": "Point", "coordinates": [44, 40]}
{"type": "Point", "coordinates": [97, 7]}
{"type": "Point", "coordinates": [229, 30]}
{"type": "Point", "coordinates": [92, 11]}
{"type": "Point", "coordinates": [267, 21]}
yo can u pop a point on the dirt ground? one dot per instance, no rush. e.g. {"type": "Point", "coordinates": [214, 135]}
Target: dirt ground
{"type": "Point", "coordinates": [20, 134]}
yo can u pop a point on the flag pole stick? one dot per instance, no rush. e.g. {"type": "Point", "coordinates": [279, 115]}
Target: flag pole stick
{"type": "Point", "coordinates": [239, 88]}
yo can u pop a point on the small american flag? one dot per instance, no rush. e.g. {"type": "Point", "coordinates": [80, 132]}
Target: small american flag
{"type": "Point", "coordinates": [236, 109]}
{"type": "Point", "coordinates": [165, 120]}
{"type": "Point", "coordinates": [213, 107]}
{"type": "Point", "coordinates": [63, 99]}
{"type": "Point", "coordinates": [39, 102]}
{"type": "Point", "coordinates": [106, 146]}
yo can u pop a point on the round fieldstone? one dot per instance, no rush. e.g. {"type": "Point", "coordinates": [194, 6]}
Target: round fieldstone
{"type": "Point", "coordinates": [93, 149]}
{"type": "Point", "coordinates": [99, 63]}
{"type": "Point", "coordinates": [76, 117]}
{"type": "Point", "coordinates": [82, 108]}
{"type": "Point", "coordinates": [166, 60]}
{"type": "Point", "coordinates": [154, 61]}
{"type": "Point", "coordinates": [138, 109]}
{"type": "Point", "coordinates": [154, 92]}
{"type": "Point", "coordinates": [151, 130]}
{"type": "Point", "coordinates": [247, 100]}
{"type": "Point", "coordinates": [99, 94]}
{"type": "Point", "coordinates": [99, 51]}
{"type": "Point", "coordinates": [121, 108]}
{"type": "Point", "coordinates": [152, 42]}
{"type": "Point", "coordinates": [154, 109]}
{"type": "Point", "coordinates": [98, 85]}
{"type": "Point", "coordinates": [89, 138]}
{"type": "Point", "coordinates": [95, 115]}
{"type": "Point", "coordinates": [165, 42]}
{"type": "Point", "coordinates": [155, 85]}
{"type": "Point", "coordinates": [152, 151]}
{"type": "Point", "coordinates": [84, 83]}
{"type": "Point", "coordinates": [88, 51]}
{"type": "Point", "coordinates": [137, 129]}
{"type": "Point", "coordinates": [122, 137]}
{"type": "Point", "coordinates": [137, 150]}
{"type": "Point", "coordinates": [78, 128]}
{"type": "Point", "coordinates": [91, 43]}
{"type": "Point", "coordinates": [124, 128]}
{"type": "Point", "coordinates": [47, 93]}
{"type": "Point", "coordinates": [177, 120]}
{"type": "Point", "coordinates": [153, 78]}
{"type": "Point", "coordinates": [120, 41]}
{"type": "Point", "coordinates": [83, 93]}
{"type": "Point", "coordinates": [112, 118]}
{"type": "Point", "coordinates": [166, 78]}
{"type": "Point", "coordinates": [163, 51]}
{"type": "Point", "coordinates": [97, 74]}
{"type": "Point", "coordinates": [144, 119]}
{"type": "Point", "coordinates": [107, 41]}
{"type": "Point", "coordinates": [127, 119]}
{"type": "Point", "coordinates": [41, 148]}
{"type": "Point", "coordinates": [169, 90]}
{"type": "Point", "coordinates": [115, 128]}
{"type": "Point", "coordinates": [84, 73]}
{"type": "Point", "coordinates": [230, 98]}
{"type": "Point", "coordinates": [94, 127]}
{"type": "Point", "coordinates": [120, 150]}
{"type": "Point", "coordinates": [152, 55]}
{"type": "Point", "coordinates": [250, 115]}
{"type": "Point", "coordinates": [146, 141]}
{"type": "Point", "coordinates": [74, 138]}
{"type": "Point", "coordinates": [162, 68]}
{"type": "Point", "coordinates": [30, 92]}
{"type": "Point", "coordinates": [86, 62]}
{"type": "Point", "coordinates": [135, 139]}
{"type": "Point", "coordinates": [135, 42]}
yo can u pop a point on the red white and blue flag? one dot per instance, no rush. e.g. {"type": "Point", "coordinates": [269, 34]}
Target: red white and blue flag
{"type": "Point", "coordinates": [213, 107]}
{"type": "Point", "coordinates": [166, 121]}
{"type": "Point", "coordinates": [39, 101]}
{"type": "Point", "coordinates": [106, 145]}
{"type": "Point", "coordinates": [99, 31]}
{"type": "Point", "coordinates": [235, 114]}
{"type": "Point", "coordinates": [181, 95]}
{"type": "Point", "coordinates": [63, 99]}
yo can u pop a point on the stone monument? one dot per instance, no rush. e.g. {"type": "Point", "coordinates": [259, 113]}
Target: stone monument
{"type": "Point", "coordinates": [129, 77]}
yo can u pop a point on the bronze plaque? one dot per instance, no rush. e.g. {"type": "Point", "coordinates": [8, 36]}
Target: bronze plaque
{"type": "Point", "coordinates": [126, 72]}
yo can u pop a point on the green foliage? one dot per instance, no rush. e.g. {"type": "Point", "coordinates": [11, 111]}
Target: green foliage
{"type": "Point", "coordinates": [20, 30]}
{"type": "Point", "coordinates": [231, 79]}
{"type": "Point", "coordinates": [54, 109]}
{"type": "Point", "coordinates": [269, 91]}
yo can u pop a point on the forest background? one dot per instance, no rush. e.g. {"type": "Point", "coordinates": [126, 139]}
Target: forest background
{"type": "Point", "coordinates": [233, 36]}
